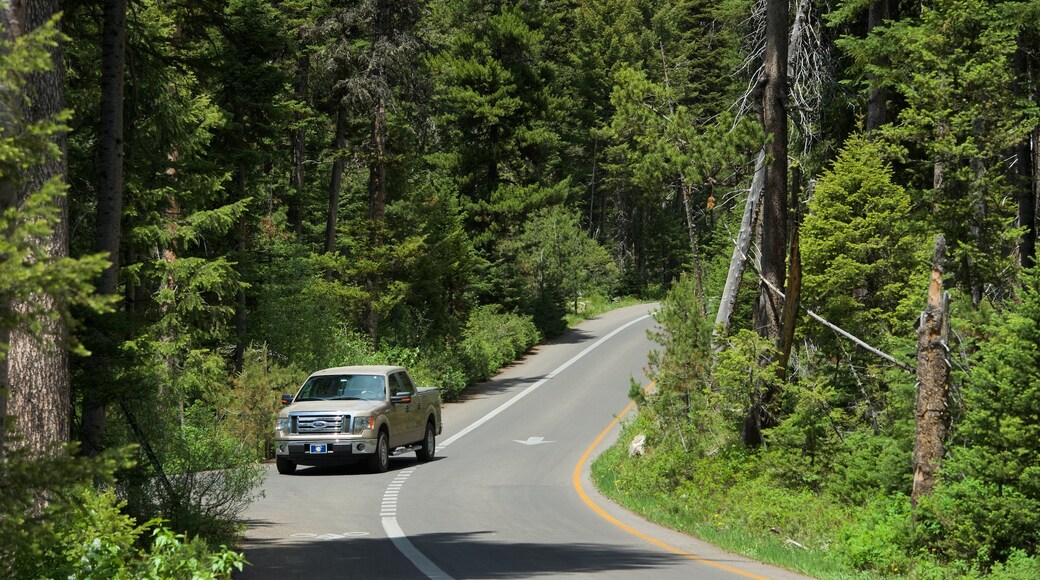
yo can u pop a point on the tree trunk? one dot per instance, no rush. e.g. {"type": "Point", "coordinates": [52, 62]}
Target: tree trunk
{"type": "Point", "coordinates": [773, 250]}
{"type": "Point", "coordinates": [242, 243]}
{"type": "Point", "coordinates": [38, 371]}
{"type": "Point", "coordinates": [299, 145]}
{"type": "Point", "coordinates": [738, 261]}
{"type": "Point", "coordinates": [933, 374]}
{"type": "Point", "coordinates": [336, 182]}
{"type": "Point", "coordinates": [10, 119]}
{"type": "Point", "coordinates": [1025, 180]}
{"type": "Point", "coordinates": [110, 201]}
{"type": "Point", "coordinates": [376, 210]}
{"type": "Point", "coordinates": [793, 297]}
{"type": "Point", "coordinates": [691, 225]}
{"type": "Point", "coordinates": [877, 100]}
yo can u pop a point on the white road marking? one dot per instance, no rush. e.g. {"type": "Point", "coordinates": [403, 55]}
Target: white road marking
{"type": "Point", "coordinates": [393, 529]}
{"type": "Point", "coordinates": [326, 537]}
{"type": "Point", "coordinates": [533, 441]}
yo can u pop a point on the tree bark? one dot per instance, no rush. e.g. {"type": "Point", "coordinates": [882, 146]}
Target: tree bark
{"type": "Point", "coordinates": [10, 119]}
{"type": "Point", "coordinates": [110, 199]}
{"type": "Point", "coordinates": [738, 261]}
{"type": "Point", "coordinates": [773, 249]}
{"type": "Point", "coordinates": [38, 371]}
{"type": "Point", "coordinates": [792, 300]}
{"type": "Point", "coordinates": [877, 99]}
{"type": "Point", "coordinates": [933, 374]}
{"type": "Point", "coordinates": [336, 183]}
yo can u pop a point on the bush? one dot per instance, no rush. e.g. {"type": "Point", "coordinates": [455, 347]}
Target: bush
{"type": "Point", "coordinates": [493, 339]}
{"type": "Point", "coordinates": [975, 521]}
{"type": "Point", "coordinates": [879, 537]}
{"type": "Point", "coordinates": [55, 524]}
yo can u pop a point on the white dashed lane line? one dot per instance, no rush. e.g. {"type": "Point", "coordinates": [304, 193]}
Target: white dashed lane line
{"type": "Point", "coordinates": [389, 506]}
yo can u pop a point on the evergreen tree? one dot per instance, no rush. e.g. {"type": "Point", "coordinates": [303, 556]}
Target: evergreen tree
{"type": "Point", "coordinates": [990, 497]}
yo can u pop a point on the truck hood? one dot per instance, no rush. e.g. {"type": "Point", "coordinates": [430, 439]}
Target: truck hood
{"type": "Point", "coordinates": [346, 407]}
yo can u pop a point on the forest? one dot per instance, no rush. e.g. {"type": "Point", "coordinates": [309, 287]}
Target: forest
{"type": "Point", "coordinates": [834, 202]}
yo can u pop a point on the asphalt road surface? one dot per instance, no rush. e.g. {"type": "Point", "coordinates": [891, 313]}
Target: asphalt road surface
{"type": "Point", "coordinates": [508, 495]}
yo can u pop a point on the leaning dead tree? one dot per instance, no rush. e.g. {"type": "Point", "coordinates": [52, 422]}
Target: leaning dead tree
{"type": "Point", "coordinates": [806, 63]}
{"type": "Point", "coordinates": [933, 380]}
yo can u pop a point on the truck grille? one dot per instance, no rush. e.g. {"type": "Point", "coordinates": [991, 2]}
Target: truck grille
{"type": "Point", "coordinates": [319, 423]}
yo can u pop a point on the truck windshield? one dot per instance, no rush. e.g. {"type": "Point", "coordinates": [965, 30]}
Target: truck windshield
{"type": "Point", "coordinates": [343, 388]}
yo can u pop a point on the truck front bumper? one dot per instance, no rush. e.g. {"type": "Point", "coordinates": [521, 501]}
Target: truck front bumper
{"type": "Point", "coordinates": [323, 450]}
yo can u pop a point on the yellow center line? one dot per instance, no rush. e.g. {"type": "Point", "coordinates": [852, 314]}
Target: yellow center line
{"type": "Point", "coordinates": [585, 498]}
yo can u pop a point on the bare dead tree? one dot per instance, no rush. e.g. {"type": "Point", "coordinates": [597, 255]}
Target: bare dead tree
{"type": "Point", "coordinates": [933, 381]}
{"type": "Point", "coordinates": [807, 72]}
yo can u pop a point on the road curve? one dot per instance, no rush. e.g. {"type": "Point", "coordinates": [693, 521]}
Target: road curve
{"type": "Point", "coordinates": [508, 495]}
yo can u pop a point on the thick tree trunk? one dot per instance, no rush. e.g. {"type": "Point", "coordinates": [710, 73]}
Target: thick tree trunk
{"type": "Point", "coordinates": [738, 260]}
{"type": "Point", "coordinates": [933, 374]}
{"type": "Point", "coordinates": [10, 118]}
{"type": "Point", "coordinates": [773, 250]}
{"type": "Point", "coordinates": [38, 370]}
{"type": "Point", "coordinates": [336, 183]}
{"type": "Point", "coordinates": [110, 200]}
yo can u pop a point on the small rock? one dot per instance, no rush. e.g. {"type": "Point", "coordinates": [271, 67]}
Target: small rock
{"type": "Point", "coordinates": [637, 446]}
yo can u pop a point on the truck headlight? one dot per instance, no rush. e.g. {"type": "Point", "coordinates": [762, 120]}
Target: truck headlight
{"type": "Point", "coordinates": [282, 426]}
{"type": "Point", "coordinates": [362, 423]}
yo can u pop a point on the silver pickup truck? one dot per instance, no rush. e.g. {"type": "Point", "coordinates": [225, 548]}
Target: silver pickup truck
{"type": "Point", "coordinates": [347, 414]}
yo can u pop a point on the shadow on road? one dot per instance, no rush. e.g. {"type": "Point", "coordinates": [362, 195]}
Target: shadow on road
{"type": "Point", "coordinates": [461, 555]}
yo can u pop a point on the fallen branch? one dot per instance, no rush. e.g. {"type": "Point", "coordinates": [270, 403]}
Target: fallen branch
{"type": "Point", "coordinates": [906, 367]}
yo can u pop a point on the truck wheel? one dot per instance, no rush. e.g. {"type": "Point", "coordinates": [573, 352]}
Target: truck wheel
{"type": "Point", "coordinates": [429, 444]}
{"type": "Point", "coordinates": [285, 467]}
{"type": "Point", "coordinates": [380, 460]}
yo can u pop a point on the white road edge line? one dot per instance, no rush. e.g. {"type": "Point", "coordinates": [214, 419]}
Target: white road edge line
{"type": "Point", "coordinates": [390, 525]}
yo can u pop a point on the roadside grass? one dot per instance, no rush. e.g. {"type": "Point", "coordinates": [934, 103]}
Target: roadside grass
{"type": "Point", "coordinates": [594, 305]}
{"type": "Point", "coordinates": [711, 514]}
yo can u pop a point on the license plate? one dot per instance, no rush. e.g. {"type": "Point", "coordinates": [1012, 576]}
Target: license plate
{"type": "Point", "coordinates": [318, 449]}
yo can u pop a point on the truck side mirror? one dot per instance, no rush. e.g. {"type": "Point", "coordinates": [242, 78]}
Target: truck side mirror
{"type": "Point", "coordinates": [401, 399]}
{"type": "Point", "coordinates": [286, 399]}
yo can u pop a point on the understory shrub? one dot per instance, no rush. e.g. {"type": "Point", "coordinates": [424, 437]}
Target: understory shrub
{"type": "Point", "coordinates": [55, 523]}
{"type": "Point", "coordinates": [493, 339]}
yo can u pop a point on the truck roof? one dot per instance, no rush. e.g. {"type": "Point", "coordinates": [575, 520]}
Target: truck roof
{"type": "Point", "coordinates": [359, 370]}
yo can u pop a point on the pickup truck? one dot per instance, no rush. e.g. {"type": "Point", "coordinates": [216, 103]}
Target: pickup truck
{"type": "Point", "coordinates": [347, 414]}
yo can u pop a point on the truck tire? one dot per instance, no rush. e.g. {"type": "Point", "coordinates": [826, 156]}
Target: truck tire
{"type": "Point", "coordinates": [428, 446]}
{"type": "Point", "coordinates": [285, 467]}
{"type": "Point", "coordinates": [379, 462]}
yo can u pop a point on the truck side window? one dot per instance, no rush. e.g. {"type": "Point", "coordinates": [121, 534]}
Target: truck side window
{"type": "Point", "coordinates": [401, 384]}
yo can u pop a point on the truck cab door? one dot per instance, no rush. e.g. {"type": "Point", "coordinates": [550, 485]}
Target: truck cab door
{"type": "Point", "coordinates": [410, 414]}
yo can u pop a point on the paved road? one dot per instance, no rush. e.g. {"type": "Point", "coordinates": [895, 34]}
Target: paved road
{"type": "Point", "coordinates": [508, 495]}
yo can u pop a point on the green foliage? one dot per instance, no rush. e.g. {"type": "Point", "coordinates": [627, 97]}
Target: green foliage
{"type": "Point", "coordinates": [559, 264]}
{"type": "Point", "coordinates": [682, 403]}
{"type": "Point", "coordinates": [55, 523]}
{"type": "Point", "coordinates": [878, 540]}
{"type": "Point", "coordinates": [493, 339]}
{"type": "Point", "coordinates": [863, 260]}
{"type": "Point", "coordinates": [253, 402]}
{"type": "Point", "coordinates": [989, 502]}
{"type": "Point", "coordinates": [953, 64]}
